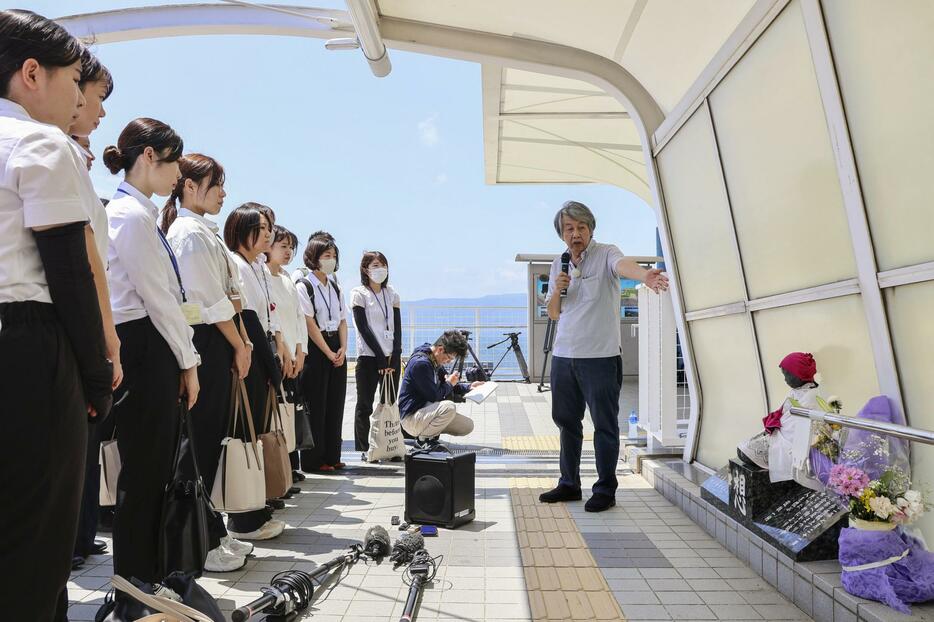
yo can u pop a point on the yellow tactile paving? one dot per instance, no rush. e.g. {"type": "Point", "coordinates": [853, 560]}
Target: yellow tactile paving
{"type": "Point", "coordinates": [562, 578]}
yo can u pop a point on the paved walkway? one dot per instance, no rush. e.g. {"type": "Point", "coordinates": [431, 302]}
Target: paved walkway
{"type": "Point", "coordinates": [520, 560]}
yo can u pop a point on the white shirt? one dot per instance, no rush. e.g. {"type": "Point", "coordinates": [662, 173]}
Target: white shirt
{"type": "Point", "coordinates": [589, 323]}
{"type": "Point", "coordinates": [257, 291]}
{"type": "Point", "coordinates": [291, 319]}
{"type": "Point", "coordinates": [41, 184]}
{"type": "Point", "coordinates": [142, 279]}
{"type": "Point", "coordinates": [205, 264]}
{"type": "Point", "coordinates": [97, 215]}
{"type": "Point", "coordinates": [379, 315]}
{"type": "Point", "coordinates": [329, 309]}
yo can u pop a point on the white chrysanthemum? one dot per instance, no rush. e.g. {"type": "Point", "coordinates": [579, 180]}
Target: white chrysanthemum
{"type": "Point", "coordinates": [882, 507]}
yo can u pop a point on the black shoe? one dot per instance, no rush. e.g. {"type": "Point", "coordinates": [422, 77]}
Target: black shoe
{"type": "Point", "coordinates": [599, 502]}
{"type": "Point", "coordinates": [430, 445]}
{"type": "Point", "coordinates": [560, 493]}
{"type": "Point", "coordinates": [294, 490]}
{"type": "Point", "coordinates": [76, 562]}
{"type": "Point", "coordinates": [276, 504]}
{"type": "Point", "coordinates": [396, 459]}
{"type": "Point", "coordinates": [297, 476]}
{"type": "Point", "coordinates": [98, 548]}
{"type": "Point", "coordinates": [105, 522]}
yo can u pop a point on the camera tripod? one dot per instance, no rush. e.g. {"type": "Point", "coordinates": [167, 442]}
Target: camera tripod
{"type": "Point", "coordinates": [458, 363]}
{"type": "Point", "coordinates": [550, 330]}
{"type": "Point", "coordinates": [513, 338]}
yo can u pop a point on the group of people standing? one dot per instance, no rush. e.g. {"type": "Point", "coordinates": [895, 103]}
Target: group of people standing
{"type": "Point", "coordinates": [117, 318]}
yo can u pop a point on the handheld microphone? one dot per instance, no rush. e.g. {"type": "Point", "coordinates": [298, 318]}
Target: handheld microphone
{"type": "Point", "coordinates": [376, 543]}
{"type": "Point", "coordinates": [565, 264]}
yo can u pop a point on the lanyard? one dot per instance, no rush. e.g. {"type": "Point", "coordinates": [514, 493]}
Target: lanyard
{"type": "Point", "coordinates": [383, 306]}
{"type": "Point", "coordinates": [327, 298]}
{"type": "Point", "coordinates": [265, 285]}
{"type": "Point", "coordinates": [168, 249]}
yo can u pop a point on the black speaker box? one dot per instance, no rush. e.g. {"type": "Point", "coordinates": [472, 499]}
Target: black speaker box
{"type": "Point", "coordinates": [439, 489]}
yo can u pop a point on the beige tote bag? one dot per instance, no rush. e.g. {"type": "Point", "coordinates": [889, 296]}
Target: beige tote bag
{"type": "Point", "coordinates": [172, 611]}
{"type": "Point", "coordinates": [287, 414]}
{"type": "Point", "coordinates": [240, 482]}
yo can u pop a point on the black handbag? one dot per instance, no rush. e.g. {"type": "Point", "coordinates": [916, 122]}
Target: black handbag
{"type": "Point", "coordinates": [183, 533]}
{"type": "Point", "coordinates": [304, 439]}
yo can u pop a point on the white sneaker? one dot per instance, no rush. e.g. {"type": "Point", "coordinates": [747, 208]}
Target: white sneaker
{"type": "Point", "coordinates": [236, 547]}
{"type": "Point", "coordinates": [222, 560]}
{"type": "Point", "coordinates": [268, 531]}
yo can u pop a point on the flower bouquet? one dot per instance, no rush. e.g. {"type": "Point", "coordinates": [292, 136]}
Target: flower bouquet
{"type": "Point", "coordinates": [879, 560]}
{"type": "Point", "coordinates": [828, 440]}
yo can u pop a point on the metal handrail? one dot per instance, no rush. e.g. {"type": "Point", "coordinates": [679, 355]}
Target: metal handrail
{"type": "Point", "coordinates": [860, 423]}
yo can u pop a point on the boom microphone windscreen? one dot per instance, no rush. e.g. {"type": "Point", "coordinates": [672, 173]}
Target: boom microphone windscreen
{"type": "Point", "coordinates": [376, 543]}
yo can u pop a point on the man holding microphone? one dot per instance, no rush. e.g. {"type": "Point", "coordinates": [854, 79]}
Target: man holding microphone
{"type": "Point", "coordinates": [587, 368]}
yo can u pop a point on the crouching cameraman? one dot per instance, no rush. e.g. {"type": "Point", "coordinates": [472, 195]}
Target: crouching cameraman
{"type": "Point", "coordinates": [427, 392]}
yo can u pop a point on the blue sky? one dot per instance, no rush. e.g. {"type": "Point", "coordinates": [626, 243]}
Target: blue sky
{"type": "Point", "coordinates": [394, 164]}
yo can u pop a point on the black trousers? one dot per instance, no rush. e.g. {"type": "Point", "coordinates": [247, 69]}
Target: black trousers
{"type": "Point", "coordinates": [368, 380]}
{"type": "Point", "coordinates": [325, 390]}
{"type": "Point", "coordinates": [257, 387]}
{"type": "Point", "coordinates": [45, 422]}
{"type": "Point", "coordinates": [210, 417]}
{"type": "Point", "coordinates": [147, 430]}
{"type": "Point", "coordinates": [90, 508]}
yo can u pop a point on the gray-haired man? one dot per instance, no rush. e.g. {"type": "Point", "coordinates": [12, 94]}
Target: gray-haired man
{"type": "Point", "coordinates": [586, 368]}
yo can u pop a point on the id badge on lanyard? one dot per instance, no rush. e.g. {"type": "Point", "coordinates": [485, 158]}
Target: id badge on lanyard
{"type": "Point", "coordinates": [192, 313]}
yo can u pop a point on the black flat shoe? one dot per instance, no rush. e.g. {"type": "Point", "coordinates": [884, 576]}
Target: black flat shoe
{"type": "Point", "coordinates": [276, 504]}
{"type": "Point", "coordinates": [98, 548]}
{"type": "Point", "coordinates": [77, 562]}
{"type": "Point", "coordinates": [599, 502]}
{"type": "Point", "coordinates": [560, 493]}
{"type": "Point", "coordinates": [294, 490]}
{"type": "Point", "coordinates": [297, 476]}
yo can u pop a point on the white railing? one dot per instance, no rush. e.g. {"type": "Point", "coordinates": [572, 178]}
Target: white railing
{"type": "Point", "coordinates": [664, 398]}
{"type": "Point", "coordinates": [424, 323]}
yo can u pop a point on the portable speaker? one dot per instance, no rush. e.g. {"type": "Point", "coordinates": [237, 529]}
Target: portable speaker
{"type": "Point", "coordinates": [439, 489]}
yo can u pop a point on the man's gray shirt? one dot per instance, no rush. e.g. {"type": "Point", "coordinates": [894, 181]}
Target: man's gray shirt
{"type": "Point", "coordinates": [589, 323]}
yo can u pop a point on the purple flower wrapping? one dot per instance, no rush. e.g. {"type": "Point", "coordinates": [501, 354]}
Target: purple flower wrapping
{"type": "Point", "coordinates": [909, 580]}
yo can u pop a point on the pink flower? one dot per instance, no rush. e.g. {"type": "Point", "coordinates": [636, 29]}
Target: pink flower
{"type": "Point", "coordinates": [847, 481]}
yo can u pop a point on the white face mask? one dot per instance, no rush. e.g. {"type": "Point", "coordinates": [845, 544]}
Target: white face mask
{"type": "Point", "coordinates": [378, 275]}
{"type": "Point", "coordinates": [328, 265]}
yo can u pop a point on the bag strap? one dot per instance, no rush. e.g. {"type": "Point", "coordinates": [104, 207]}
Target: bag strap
{"type": "Point", "coordinates": [272, 403]}
{"type": "Point", "coordinates": [311, 296]}
{"type": "Point", "coordinates": [234, 405]}
{"type": "Point", "coordinates": [160, 603]}
{"type": "Point", "coordinates": [249, 418]}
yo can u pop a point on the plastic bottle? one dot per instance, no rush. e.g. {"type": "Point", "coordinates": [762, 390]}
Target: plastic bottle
{"type": "Point", "coordinates": [633, 424]}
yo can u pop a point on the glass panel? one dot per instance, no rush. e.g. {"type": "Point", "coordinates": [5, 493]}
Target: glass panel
{"type": "Point", "coordinates": [725, 355]}
{"type": "Point", "coordinates": [835, 332]}
{"type": "Point", "coordinates": [779, 167]}
{"type": "Point", "coordinates": [699, 217]}
{"type": "Point", "coordinates": [909, 308]}
{"type": "Point", "coordinates": [884, 55]}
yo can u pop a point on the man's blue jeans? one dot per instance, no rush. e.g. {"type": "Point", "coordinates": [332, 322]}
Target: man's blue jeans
{"type": "Point", "coordinates": [595, 383]}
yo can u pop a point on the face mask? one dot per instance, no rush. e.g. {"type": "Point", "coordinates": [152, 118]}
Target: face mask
{"type": "Point", "coordinates": [378, 275]}
{"type": "Point", "coordinates": [328, 265]}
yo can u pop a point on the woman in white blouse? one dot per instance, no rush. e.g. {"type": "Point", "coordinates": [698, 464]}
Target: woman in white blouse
{"type": "Point", "coordinates": [213, 283]}
{"type": "Point", "coordinates": [324, 383]}
{"type": "Point", "coordinates": [377, 316]}
{"type": "Point", "coordinates": [54, 373]}
{"type": "Point", "coordinates": [248, 233]}
{"type": "Point", "coordinates": [160, 363]}
{"type": "Point", "coordinates": [294, 330]}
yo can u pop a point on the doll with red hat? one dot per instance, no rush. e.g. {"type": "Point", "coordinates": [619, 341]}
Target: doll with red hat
{"type": "Point", "coordinates": [784, 447]}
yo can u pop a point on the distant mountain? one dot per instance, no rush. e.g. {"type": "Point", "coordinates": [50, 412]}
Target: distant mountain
{"type": "Point", "coordinates": [494, 300]}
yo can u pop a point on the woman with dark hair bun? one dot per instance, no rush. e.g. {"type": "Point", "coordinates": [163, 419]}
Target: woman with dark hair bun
{"type": "Point", "coordinates": [153, 317]}
{"type": "Point", "coordinates": [248, 234]}
{"type": "Point", "coordinates": [54, 372]}
{"type": "Point", "coordinates": [324, 382]}
{"type": "Point", "coordinates": [377, 316]}
{"type": "Point", "coordinates": [212, 282]}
